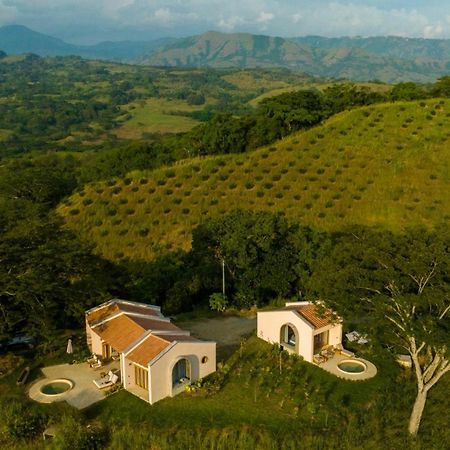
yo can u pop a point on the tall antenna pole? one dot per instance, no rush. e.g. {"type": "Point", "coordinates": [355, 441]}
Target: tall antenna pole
{"type": "Point", "coordinates": [223, 277]}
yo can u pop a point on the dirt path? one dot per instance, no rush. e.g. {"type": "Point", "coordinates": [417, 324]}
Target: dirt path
{"type": "Point", "coordinates": [227, 332]}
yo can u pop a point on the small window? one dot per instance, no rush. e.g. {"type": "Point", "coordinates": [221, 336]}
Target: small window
{"type": "Point", "coordinates": [204, 360]}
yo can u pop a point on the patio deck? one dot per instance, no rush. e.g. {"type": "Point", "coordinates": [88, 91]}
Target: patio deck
{"type": "Point", "coordinates": [331, 365]}
{"type": "Point", "coordinates": [83, 394]}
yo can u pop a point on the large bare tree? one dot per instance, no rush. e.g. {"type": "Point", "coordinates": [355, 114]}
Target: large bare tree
{"type": "Point", "coordinates": [401, 284]}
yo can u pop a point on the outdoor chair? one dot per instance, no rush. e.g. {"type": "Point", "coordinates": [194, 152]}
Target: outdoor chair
{"type": "Point", "coordinates": [319, 359]}
{"type": "Point", "coordinates": [110, 380]}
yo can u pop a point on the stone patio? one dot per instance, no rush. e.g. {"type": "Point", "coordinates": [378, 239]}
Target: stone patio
{"type": "Point", "coordinates": [331, 365]}
{"type": "Point", "coordinates": [83, 394]}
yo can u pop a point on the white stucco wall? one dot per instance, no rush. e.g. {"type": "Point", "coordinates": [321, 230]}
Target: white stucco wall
{"type": "Point", "coordinates": [161, 369]}
{"type": "Point", "coordinates": [96, 341]}
{"type": "Point", "coordinates": [269, 324]}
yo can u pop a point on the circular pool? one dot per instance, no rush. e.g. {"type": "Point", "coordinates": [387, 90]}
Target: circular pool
{"type": "Point", "coordinates": [352, 366]}
{"type": "Point", "coordinates": [56, 387]}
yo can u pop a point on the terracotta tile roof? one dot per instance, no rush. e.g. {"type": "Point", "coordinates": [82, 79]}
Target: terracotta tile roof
{"type": "Point", "coordinates": [119, 332]}
{"type": "Point", "coordinates": [102, 313]}
{"type": "Point", "coordinates": [147, 350]}
{"type": "Point", "coordinates": [317, 317]}
{"type": "Point", "coordinates": [126, 308]}
{"type": "Point", "coordinates": [116, 307]}
{"type": "Point", "coordinates": [155, 325]}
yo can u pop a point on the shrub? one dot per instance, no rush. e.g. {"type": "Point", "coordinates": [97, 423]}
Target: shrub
{"type": "Point", "coordinates": [111, 183]}
{"type": "Point", "coordinates": [161, 182]}
{"type": "Point", "coordinates": [127, 181]}
{"type": "Point", "coordinates": [130, 211]}
{"type": "Point", "coordinates": [279, 195]}
{"type": "Point", "coordinates": [218, 302]}
{"type": "Point", "coordinates": [116, 221]}
{"type": "Point", "coordinates": [116, 190]}
{"type": "Point", "coordinates": [176, 200]}
{"type": "Point", "coordinates": [260, 194]}
{"type": "Point", "coordinates": [87, 202]}
{"type": "Point", "coordinates": [74, 212]}
{"type": "Point", "coordinates": [143, 232]}
{"type": "Point", "coordinates": [185, 211]}
{"type": "Point", "coordinates": [104, 233]}
{"type": "Point", "coordinates": [276, 177]}
{"type": "Point", "coordinates": [123, 232]}
{"type": "Point", "coordinates": [123, 201]}
{"type": "Point", "coordinates": [249, 185]}
{"type": "Point", "coordinates": [232, 185]}
{"type": "Point", "coordinates": [135, 188]}
{"type": "Point", "coordinates": [111, 212]}
{"type": "Point", "coordinates": [98, 223]}
{"type": "Point", "coordinates": [168, 192]}
{"type": "Point", "coordinates": [99, 190]}
{"type": "Point", "coordinates": [268, 185]}
{"type": "Point", "coordinates": [178, 184]}
{"type": "Point", "coordinates": [195, 168]}
{"type": "Point", "coordinates": [151, 190]}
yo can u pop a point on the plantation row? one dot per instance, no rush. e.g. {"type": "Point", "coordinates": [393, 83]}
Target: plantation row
{"type": "Point", "coordinates": [377, 165]}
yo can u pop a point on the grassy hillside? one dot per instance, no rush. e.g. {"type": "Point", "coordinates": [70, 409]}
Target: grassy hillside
{"type": "Point", "coordinates": [383, 165]}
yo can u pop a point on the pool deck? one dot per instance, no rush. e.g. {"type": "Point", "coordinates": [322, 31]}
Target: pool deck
{"type": "Point", "coordinates": [83, 394]}
{"type": "Point", "coordinates": [331, 365]}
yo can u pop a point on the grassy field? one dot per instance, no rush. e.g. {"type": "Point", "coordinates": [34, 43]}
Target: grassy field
{"type": "Point", "coordinates": [302, 401]}
{"type": "Point", "coordinates": [155, 115]}
{"type": "Point", "coordinates": [249, 404]}
{"type": "Point", "coordinates": [385, 165]}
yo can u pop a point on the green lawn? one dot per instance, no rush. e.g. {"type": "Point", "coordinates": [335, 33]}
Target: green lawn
{"type": "Point", "coordinates": [156, 115]}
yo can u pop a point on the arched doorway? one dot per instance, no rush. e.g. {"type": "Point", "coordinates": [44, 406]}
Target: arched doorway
{"type": "Point", "coordinates": [181, 372]}
{"type": "Point", "coordinates": [289, 337]}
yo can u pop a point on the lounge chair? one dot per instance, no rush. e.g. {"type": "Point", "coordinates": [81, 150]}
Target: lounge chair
{"type": "Point", "coordinates": [110, 380]}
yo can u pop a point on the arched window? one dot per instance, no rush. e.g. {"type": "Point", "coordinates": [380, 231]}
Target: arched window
{"type": "Point", "coordinates": [181, 372]}
{"type": "Point", "coordinates": [288, 336]}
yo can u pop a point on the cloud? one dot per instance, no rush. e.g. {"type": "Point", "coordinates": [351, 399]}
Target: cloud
{"type": "Point", "coordinates": [133, 19]}
{"type": "Point", "coordinates": [265, 17]}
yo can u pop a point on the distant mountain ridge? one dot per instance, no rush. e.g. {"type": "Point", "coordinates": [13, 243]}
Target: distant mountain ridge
{"type": "Point", "coordinates": [17, 39]}
{"type": "Point", "coordinates": [388, 59]}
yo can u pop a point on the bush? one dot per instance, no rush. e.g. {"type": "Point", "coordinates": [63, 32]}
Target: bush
{"type": "Point", "coordinates": [116, 190]}
{"type": "Point", "coordinates": [143, 232]}
{"type": "Point", "coordinates": [74, 212]}
{"type": "Point", "coordinates": [218, 302]}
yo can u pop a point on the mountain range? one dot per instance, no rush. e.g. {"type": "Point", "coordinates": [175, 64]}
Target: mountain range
{"type": "Point", "coordinates": [388, 59]}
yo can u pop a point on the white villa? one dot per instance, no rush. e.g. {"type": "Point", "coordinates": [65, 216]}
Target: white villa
{"type": "Point", "coordinates": [301, 328]}
{"type": "Point", "coordinates": [157, 359]}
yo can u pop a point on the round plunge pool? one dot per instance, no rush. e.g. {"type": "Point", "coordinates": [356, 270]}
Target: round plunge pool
{"type": "Point", "coordinates": [56, 387]}
{"type": "Point", "coordinates": [352, 366]}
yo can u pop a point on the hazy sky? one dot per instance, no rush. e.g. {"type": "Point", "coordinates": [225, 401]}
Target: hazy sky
{"type": "Point", "coordinates": [84, 21]}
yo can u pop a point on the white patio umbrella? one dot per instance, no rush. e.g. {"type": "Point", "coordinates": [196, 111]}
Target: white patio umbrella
{"type": "Point", "coordinates": [69, 347]}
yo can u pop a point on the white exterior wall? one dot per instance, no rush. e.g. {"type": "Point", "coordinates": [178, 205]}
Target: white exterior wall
{"type": "Point", "coordinates": [269, 324]}
{"type": "Point", "coordinates": [96, 341]}
{"type": "Point", "coordinates": [161, 369]}
{"type": "Point", "coordinates": [335, 334]}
